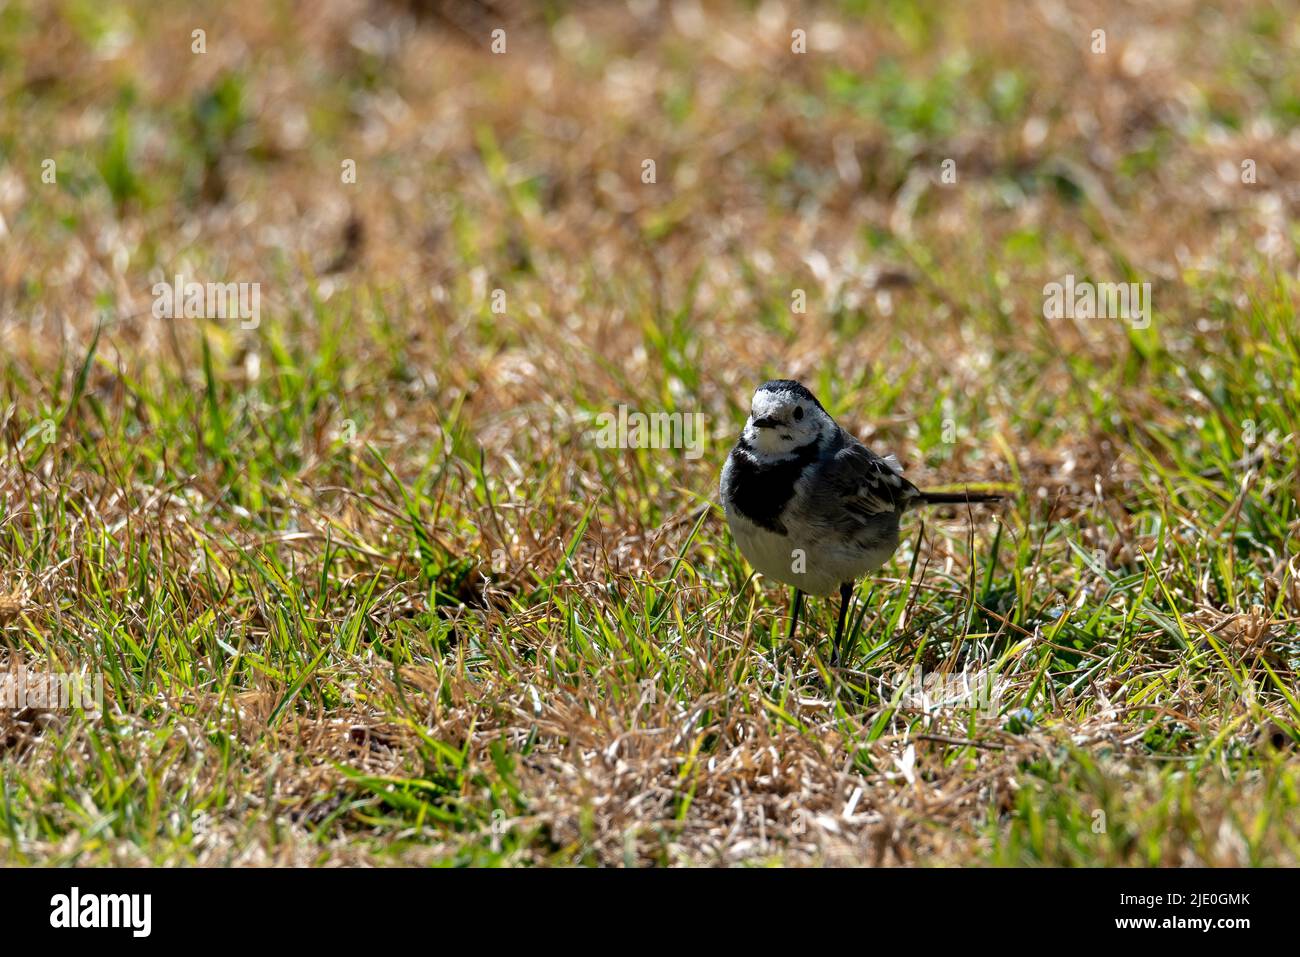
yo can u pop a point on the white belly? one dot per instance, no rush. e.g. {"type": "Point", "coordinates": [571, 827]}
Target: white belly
{"type": "Point", "coordinates": [814, 567]}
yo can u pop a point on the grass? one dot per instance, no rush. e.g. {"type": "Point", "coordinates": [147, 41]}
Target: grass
{"type": "Point", "coordinates": [363, 587]}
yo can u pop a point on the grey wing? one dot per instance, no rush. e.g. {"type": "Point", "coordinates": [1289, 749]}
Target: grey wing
{"type": "Point", "coordinates": [866, 486]}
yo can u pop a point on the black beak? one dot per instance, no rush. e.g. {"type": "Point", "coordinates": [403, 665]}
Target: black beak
{"type": "Point", "coordinates": [767, 422]}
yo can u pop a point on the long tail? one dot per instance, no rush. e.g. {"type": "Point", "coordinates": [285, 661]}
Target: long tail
{"type": "Point", "coordinates": [957, 498]}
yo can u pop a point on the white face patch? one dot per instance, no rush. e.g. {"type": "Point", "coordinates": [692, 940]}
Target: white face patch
{"type": "Point", "coordinates": [769, 404]}
{"type": "Point", "coordinates": [798, 421]}
{"type": "Point", "coordinates": [768, 441]}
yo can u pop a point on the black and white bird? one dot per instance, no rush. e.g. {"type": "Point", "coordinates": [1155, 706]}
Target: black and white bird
{"type": "Point", "coordinates": [810, 505]}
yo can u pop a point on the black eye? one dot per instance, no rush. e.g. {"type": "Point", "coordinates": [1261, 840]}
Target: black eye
{"type": "Point", "coordinates": [798, 412]}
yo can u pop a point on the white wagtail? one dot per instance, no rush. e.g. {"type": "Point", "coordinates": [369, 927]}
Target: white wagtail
{"type": "Point", "coordinates": [809, 504]}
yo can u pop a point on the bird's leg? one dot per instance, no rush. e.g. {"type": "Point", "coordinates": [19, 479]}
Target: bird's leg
{"type": "Point", "coordinates": [795, 605]}
{"type": "Point", "coordinates": [846, 594]}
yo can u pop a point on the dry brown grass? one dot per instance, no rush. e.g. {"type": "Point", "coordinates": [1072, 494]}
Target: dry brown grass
{"type": "Point", "coordinates": [324, 568]}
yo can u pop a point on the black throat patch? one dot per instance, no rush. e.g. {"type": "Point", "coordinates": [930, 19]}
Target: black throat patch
{"type": "Point", "coordinates": [761, 492]}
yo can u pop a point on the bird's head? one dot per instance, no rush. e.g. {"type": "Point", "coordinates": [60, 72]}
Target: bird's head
{"type": "Point", "coordinates": [785, 416]}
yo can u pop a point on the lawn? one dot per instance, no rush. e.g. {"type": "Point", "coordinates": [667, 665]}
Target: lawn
{"type": "Point", "coordinates": [361, 580]}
